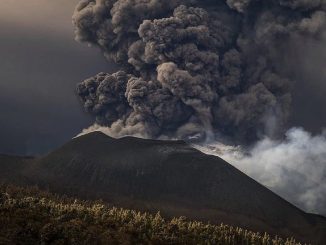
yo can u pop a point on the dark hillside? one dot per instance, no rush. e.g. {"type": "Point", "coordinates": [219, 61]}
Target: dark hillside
{"type": "Point", "coordinates": [172, 177]}
{"type": "Point", "coordinates": [11, 166]}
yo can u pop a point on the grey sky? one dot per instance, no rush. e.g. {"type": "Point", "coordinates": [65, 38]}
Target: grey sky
{"type": "Point", "coordinates": [40, 64]}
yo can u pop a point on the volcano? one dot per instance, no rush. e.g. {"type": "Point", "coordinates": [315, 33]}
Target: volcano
{"type": "Point", "coordinates": [166, 176]}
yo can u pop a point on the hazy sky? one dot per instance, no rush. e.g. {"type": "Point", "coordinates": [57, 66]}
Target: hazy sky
{"type": "Point", "coordinates": [40, 64]}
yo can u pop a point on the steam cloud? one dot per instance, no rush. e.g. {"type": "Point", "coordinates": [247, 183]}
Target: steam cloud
{"type": "Point", "coordinates": [293, 168]}
{"type": "Point", "coordinates": [194, 67]}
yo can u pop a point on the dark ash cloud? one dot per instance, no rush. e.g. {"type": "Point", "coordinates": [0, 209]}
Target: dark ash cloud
{"type": "Point", "coordinates": [195, 67]}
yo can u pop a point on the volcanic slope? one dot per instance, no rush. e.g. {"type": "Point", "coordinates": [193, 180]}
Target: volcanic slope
{"type": "Point", "coordinates": [170, 177]}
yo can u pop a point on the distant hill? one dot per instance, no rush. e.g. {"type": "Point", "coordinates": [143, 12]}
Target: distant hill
{"type": "Point", "coordinates": [169, 176]}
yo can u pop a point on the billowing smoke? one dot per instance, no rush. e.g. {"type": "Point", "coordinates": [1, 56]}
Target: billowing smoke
{"type": "Point", "coordinates": [295, 168]}
{"type": "Point", "coordinates": [199, 68]}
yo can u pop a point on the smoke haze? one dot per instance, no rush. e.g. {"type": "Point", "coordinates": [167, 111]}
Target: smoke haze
{"type": "Point", "coordinates": [293, 168]}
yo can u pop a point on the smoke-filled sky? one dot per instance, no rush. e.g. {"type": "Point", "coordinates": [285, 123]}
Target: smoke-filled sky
{"type": "Point", "coordinates": [40, 64]}
{"type": "Point", "coordinates": [238, 71]}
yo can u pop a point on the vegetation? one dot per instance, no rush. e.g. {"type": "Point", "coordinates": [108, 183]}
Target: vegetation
{"type": "Point", "coordinates": [31, 216]}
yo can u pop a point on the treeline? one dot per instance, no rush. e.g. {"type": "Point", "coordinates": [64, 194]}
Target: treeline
{"type": "Point", "coordinates": [31, 216]}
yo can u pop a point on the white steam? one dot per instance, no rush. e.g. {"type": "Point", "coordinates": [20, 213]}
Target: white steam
{"type": "Point", "coordinates": [294, 168]}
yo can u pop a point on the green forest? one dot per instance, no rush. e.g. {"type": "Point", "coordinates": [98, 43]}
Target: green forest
{"type": "Point", "coordinates": [32, 216]}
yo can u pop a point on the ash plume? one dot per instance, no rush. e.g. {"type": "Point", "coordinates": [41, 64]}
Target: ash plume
{"type": "Point", "coordinates": [195, 67]}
